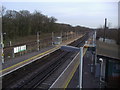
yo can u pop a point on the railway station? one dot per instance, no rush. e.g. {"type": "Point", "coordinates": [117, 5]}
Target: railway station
{"type": "Point", "coordinates": [70, 69]}
{"type": "Point", "coordinates": [41, 53]}
{"type": "Point", "coordinates": [67, 69]}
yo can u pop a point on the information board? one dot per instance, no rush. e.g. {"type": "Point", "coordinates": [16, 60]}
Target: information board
{"type": "Point", "coordinates": [19, 49]}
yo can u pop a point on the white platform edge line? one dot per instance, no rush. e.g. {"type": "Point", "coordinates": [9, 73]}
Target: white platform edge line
{"type": "Point", "coordinates": [63, 71]}
{"type": "Point", "coordinates": [28, 63]}
{"type": "Point", "coordinates": [35, 59]}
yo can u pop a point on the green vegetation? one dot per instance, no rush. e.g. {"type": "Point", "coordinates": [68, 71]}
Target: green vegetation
{"type": "Point", "coordinates": [22, 24]}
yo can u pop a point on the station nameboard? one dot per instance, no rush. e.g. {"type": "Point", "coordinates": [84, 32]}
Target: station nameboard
{"type": "Point", "coordinates": [19, 49]}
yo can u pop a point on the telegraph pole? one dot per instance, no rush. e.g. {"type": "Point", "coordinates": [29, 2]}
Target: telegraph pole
{"type": "Point", "coordinates": [118, 41]}
{"type": "Point", "coordinates": [61, 37]}
{"type": "Point", "coordinates": [67, 34]}
{"type": "Point", "coordinates": [2, 46]}
{"type": "Point", "coordinates": [52, 38]}
{"type": "Point", "coordinates": [38, 41]}
{"type": "Point", "coordinates": [105, 29]}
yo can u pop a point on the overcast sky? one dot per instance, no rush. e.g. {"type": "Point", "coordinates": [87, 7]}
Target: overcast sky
{"type": "Point", "coordinates": [89, 13]}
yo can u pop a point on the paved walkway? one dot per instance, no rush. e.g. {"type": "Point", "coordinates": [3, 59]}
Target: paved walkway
{"type": "Point", "coordinates": [16, 60]}
{"type": "Point", "coordinates": [89, 79]}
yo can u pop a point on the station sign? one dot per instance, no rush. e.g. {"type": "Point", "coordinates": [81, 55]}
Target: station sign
{"type": "Point", "coordinates": [19, 49]}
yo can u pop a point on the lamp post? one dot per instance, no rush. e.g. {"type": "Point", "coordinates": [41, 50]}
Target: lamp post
{"type": "Point", "coordinates": [101, 72]}
{"type": "Point", "coordinates": [81, 67]}
{"type": "Point", "coordinates": [73, 49]}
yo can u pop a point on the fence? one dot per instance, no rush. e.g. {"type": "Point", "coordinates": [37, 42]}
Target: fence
{"type": "Point", "coordinates": [32, 46]}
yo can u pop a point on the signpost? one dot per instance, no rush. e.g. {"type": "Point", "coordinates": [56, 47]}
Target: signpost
{"type": "Point", "coordinates": [19, 49]}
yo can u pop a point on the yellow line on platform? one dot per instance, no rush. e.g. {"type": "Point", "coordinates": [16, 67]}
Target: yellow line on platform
{"type": "Point", "coordinates": [18, 64]}
{"type": "Point", "coordinates": [28, 59]}
{"type": "Point", "coordinates": [85, 48]}
{"type": "Point", "coordinates": [74, 71]}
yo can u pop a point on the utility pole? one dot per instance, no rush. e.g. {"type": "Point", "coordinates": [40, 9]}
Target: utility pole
{"type": "Point", "coordinates": [38, 41]}
{"type": "Point", "coordinates": [10, 43]}
{"type": "Point", "coordinates": [118, 41]}
{"type": "Point", "coordinates": [105, 29]}
{"type": "Point", "coordinates": [61, 37]}
{"type": "Point", "coordinates": [2, 46]}
{"type": "Point", "coordinates": [67, 34]}
{"type": "Point", "coordinates": [52, 38]}
{"type": "Point", "coordinates": [95, 47]}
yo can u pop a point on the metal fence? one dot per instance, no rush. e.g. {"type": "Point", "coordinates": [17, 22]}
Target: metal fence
{"type": "Point", "coordinates": [32, 46]}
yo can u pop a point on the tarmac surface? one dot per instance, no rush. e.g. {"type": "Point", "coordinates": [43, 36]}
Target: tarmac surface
{"type": "Point", "coordinates": [89, 79]}
{"type": "Point", "coordinates": [16, 60]}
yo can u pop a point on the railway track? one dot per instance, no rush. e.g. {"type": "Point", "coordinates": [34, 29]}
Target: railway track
{"type": "Point", "coordinates": [16, 78]}
{"type": "Point", "coordinates": [37, 80]}
{"type": "Point", "coordinates": [32, 75]}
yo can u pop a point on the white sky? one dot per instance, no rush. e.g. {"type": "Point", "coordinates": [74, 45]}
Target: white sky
{"type": "Point", "coordinates": [90, 13]}
{"type": "Point", "coordinates": [59, 0]}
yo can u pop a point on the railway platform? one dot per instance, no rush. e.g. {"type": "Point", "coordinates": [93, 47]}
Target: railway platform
{"type": "Point", "coordinates": [18, 62]}
{"type": "Point", "coordinates": [89, 79]}
{"type": "Point", "coordinates": [65, 62]}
